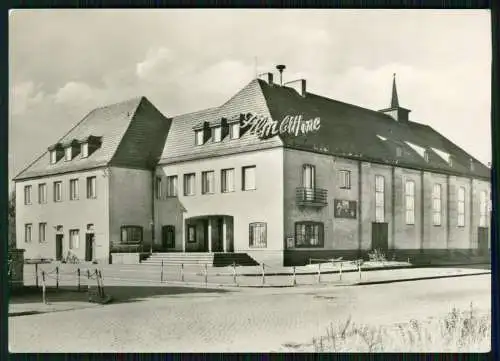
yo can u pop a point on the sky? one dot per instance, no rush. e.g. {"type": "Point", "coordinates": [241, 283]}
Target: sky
{"type": "Point", "coordinates": [64, 63]}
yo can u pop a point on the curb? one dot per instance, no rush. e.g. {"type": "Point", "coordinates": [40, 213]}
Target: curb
{"type": "Point", "coordinates": [355, 270]}
{"type": "Point", "coordinates": [365, 283]}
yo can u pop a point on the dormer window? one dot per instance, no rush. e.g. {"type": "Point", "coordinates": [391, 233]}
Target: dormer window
{"type": "Point", "coordinates": [198, 134]}
{"type": "Point", "coordinates": [426, 156]}
{"type": "Point", "coordinates": [89, 145]}
{"type": "Point", "coordinates": [216, 134]}
{"type": "Point", "coordinates": [68, 154]}
{"type": "Point", "coordinates": [53, 157]}
{"type": "Point", "coordinates": [56, 152]}
{"type": "Point", "coordinates": [85, 150]}
{"type": "Point", "coordinates": [399, 152]}
{"type": "Point", "coordinates": [234, 131]}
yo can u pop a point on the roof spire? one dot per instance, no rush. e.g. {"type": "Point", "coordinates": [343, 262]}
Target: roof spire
{"type": "Point", "coordinates": [394, 99]}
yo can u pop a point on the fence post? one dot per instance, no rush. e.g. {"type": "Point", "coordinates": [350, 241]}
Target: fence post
{"type": "Point", "coordinates": [319, 272]}
{"type": "Point", "coordinates": [36, 274]}
{"type": "Point", "coordinates": [88, 281]}
{"type": "Point", "coordinates": [57, 277]}
{"type": "Point", "coordinates": [234, 273]}
{"type": "Point", "coordinates": [359, 269]}
{"type": "Point", "coordinates": [102, 284]}
{"type": "Point", "coordinates": [44, 299]}
{"type": "Point", "coordinates": [340, 271]}
{"type": "Point", "coordinates": [206, 275]}
{"type": "Point", "coordinates": [182, 272]}
{"type": "Point", "coordinates": [263, 274]}
{"type": "Point", "coordinates": [98, 282]}
{"type": "Point", "coordinates": [294, 279]}
{"type": "Point", "coordinates": [161, 276]}
{"type": "Point", "coordinates": [78, 275]}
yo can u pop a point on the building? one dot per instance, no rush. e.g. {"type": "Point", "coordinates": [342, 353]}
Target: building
{"type": "Point", "coordinates": [84, 193]}
{"type": "Point", "coordinates": [276, 172]}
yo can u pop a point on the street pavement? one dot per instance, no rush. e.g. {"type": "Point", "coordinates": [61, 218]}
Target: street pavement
{"type": "Point", "coordinates": [211, 319]}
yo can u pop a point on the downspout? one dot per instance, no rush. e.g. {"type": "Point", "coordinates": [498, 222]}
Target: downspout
{"type": "Point", "coordinates": [360, 205]}
{"type": "Point", "coordinates": [153, 191]}
{"type": "Point", "coordinates": [422, 212]}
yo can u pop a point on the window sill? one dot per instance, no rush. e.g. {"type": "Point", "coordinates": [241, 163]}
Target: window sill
{"type": "Point", "coordinates": [224, 192]}
{"type": "Point", "coordinates": [249, 190]}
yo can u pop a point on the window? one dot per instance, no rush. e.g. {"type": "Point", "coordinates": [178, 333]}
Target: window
{"type": "Point", "coordinates": [68, 153]}
{"type": "Point", "coordinates": [483, 209]}
{"type": "Point", "coordinates": [42, 228]}
{"type": "Point", "coordinates": [74, 239]}
{"type": "Point", "coordinates": [234, 131]}
{"type": "Point", "coordinates": [410, 202]}
{"type": "Point", "coordinates": [27, 232]}
{"type": "Point", "coordinates": [57, 191]}
{"type": "Point", "coordinates": [309, 234]}
{"type": "Point", "coordinates": [198, 137]}
{"type": "Point", "coordinates": [85, 150]}
{"type": "Point", "coordinates": [53, 157]}
{"type": "Point", "coordinates": [379, 199]}
{"type": "Point", "coordinates": [27, 194]}
{"type": "Point", "coordinates": [73, 189]}
{"type": "Point", "coordinates": [461, 207]}
{"type": "Point", "coordinates": [42, 193]}
{"type": "Point", "coordinates": [258, 235]}
{"type": "Point", "coordinates": [207, 182]}
{"type": "Point", "coordinates": [436, 205]}
{"type": "Point", "coordinates": [248, 175]}
{"type": "Point", "coordinates": [189, 184]}
{"type": "Point", "coordinates": [168, 236]}
{"type": "Point", "coordinates": [191, 236]}
{"type": "Point", "coordinates": [345, 179]}
{"type": "Point", "coordinates": [426, 156]}
{"type": "Point", "coordinates": [227, 180]}
{"type": "Point", "coordinates": [159, 187]}
{"type": "Point", "coordinates": [172, 186]}
{"type": "Point", "coordinates": [217, 134]}
{"type": "Point", "coordinates": [399, 152]}
{"type": "Point", "coordinates": [91, 187]}
{"type": "Point", "coordinates": [131, 234]}
{"type": "Point", "coordinates": [308, 176]}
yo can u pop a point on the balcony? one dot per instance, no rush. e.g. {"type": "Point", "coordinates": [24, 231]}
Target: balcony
{"type": "Point", "coordinates": [312, 197]}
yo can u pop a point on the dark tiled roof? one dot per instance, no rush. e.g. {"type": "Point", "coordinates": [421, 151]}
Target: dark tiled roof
{"type": "Point", "coordinates": [113, 123]}
{"type": "Point", "coordinates": [346, 130]}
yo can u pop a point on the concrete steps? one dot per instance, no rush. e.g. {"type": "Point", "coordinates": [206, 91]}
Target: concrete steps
{"type": "Point", "coordinates": [211, 259]}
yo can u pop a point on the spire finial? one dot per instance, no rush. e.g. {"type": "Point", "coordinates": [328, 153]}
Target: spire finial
{"type": "Point", "coordinates": [394, 98]}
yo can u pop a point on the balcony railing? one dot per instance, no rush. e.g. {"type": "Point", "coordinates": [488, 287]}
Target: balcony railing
{"type": "Point", "coordinates": [314, 197]}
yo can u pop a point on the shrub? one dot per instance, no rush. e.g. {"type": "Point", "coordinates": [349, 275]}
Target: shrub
{"type": "Point", "coordinates": [377, 256]}
{"type": "Point", "coordinates": [458, 331]}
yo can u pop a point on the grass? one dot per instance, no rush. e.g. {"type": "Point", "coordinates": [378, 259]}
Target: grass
{"type": "Point", "coordinates": [458, 331]}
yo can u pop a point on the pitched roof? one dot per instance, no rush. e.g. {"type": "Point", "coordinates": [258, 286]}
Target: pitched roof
{"type": "Point", "coordinates": [346, 130]}
{"type": "Point", "coordinates": [111, 123]}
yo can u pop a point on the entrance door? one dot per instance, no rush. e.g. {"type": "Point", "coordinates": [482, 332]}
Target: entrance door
{"type": "Point", "coordinates": [89, 240]}
{"type": "Point", "coordinates": [380, 236]}
{"type": "Point", "coordinates": [59, 247]}
{"type": "Point", "coordinates": [482, 239]}
{"type": "Point", "coordinates": [168, 237]}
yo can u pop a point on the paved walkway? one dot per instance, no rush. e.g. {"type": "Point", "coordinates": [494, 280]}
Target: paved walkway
{"type": "Point", "coordinates": [121, 283]}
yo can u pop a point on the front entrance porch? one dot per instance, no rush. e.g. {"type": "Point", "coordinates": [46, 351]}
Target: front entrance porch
{"type": "Point", "coordinates": [212, 233]}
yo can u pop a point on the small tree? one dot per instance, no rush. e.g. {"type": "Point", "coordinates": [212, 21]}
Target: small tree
{"type": "Point", "coordinates": [12, 220]}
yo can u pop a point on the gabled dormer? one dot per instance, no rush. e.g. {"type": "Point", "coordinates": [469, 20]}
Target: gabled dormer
{"type": "Point", "coordinates": [201, 133]}
{"type": "Point", "coordinates": [218, 130]}
{"type": "Point", "coordinates": [56, 152]}
{"type": "Point", "coordinates": [396, 112]}
{"type": "Point", "coordinates": [89, 145]}
{"type": "Point", "coordinates": [71, 149]}
{"type": "Point", "coordinates": [234, 126]}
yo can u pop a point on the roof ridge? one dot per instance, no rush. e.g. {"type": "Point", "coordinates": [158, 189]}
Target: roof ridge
{"type": "Point", "coordinates": [195, 112]}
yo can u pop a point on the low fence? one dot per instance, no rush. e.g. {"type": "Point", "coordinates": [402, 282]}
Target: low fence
{"type": "Point", "coordinates": [197, 274]}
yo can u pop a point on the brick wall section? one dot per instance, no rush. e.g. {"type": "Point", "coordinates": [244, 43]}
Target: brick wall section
{"type": "Point", "coordinates": [74, 214]}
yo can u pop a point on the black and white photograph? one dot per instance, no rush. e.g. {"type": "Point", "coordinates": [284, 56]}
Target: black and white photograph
{"type": "Point", "coordinates": [249, 180]}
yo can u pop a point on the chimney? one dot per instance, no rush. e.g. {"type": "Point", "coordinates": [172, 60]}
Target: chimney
{"type": "Point", "coordinates": [299, 85]}
{"type": "Point", "coordinates": [280, 68]}
{"type": "Point", "coordinates": [268, 77]}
